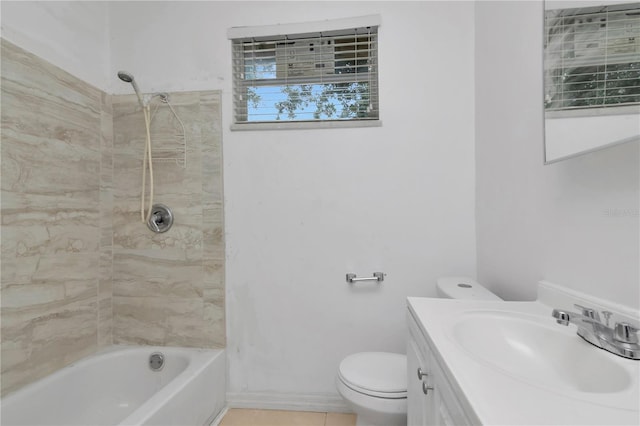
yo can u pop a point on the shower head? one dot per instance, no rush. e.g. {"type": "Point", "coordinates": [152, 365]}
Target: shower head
{"type": "Point", "coordinates": [127, 77]}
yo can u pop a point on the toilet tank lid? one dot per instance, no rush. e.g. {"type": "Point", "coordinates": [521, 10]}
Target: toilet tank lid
{"type": "Point", "coordinates": [463, 288]}
{"type": "Point", "coordinates": [376, 371]}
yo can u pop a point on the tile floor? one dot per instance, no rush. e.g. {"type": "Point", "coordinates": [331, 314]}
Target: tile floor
{"type": "Point", "coordinates": [250, 417]}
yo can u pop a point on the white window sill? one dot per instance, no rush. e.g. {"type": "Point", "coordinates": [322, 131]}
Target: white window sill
{"type": "Point", "coordinates": [303, 125]}
{"type": "Point", "coordinates": [594, 111]}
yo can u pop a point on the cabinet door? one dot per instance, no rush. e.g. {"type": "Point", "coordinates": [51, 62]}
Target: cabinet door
{"type": "Point", "coordinates": [419, 405]}
{"type": "Point", "coordinates": [442, 413]}
{"type": "Point", "coordinates": [439, 405]}
{"type": "Point", "coordinates": [446, 408]}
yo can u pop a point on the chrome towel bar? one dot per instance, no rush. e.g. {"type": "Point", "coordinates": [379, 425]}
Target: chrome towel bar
{"type": "Point", "coordinates": [377, 276]}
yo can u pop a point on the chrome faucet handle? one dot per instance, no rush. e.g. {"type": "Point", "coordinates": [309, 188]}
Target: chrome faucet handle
{"type": "Point", "coordinates": [625, 333]}
{"type": "Point", "coordinates": [589, 312]}
{"type": "Point", "coordinates": [565, 317]}
{"type": "Point", "coordinates": [562, 317]}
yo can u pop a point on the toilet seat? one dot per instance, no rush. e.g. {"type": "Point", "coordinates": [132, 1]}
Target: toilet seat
{"type": "Point", "coordinates": [376, 374]}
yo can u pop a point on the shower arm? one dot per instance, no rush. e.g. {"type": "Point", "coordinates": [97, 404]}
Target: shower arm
{"type": "Point", "coordinates": [137, 90]}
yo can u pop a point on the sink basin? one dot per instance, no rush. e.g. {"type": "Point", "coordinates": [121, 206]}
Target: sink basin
{"type": "Point", "coordinates": [538, 351]}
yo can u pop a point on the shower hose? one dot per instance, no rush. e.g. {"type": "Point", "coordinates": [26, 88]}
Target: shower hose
{"type": "Point", "coordinates": [147, 158]}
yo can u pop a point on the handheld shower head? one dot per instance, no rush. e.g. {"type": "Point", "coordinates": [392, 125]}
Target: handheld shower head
{"type": "Point", "coordinates": [127, 77]}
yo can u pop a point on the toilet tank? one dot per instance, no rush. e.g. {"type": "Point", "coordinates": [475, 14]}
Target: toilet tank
{"type": "Point", "coordinates": [463, 288]}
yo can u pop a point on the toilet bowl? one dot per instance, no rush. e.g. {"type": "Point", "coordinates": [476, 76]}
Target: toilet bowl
{"type": "Point", "coordinates": [374, 384]}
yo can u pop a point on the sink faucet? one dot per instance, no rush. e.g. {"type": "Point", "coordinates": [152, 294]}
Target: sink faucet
{"type": "Point", "coordinates": [621, 340]}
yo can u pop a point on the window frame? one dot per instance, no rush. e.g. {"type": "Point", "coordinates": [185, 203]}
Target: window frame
{"type": "Point", "coordinates": [271, 33]}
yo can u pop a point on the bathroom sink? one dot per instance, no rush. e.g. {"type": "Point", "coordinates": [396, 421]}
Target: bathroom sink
{"type": "Point", "coordinates": [539, 351]}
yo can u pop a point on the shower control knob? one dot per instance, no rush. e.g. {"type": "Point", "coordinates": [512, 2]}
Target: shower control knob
{"type": "Point", "coordinates": [160, 219]}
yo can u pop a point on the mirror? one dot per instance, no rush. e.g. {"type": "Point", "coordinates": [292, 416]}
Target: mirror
{"type": "Point", "coordinates": [591, 76]}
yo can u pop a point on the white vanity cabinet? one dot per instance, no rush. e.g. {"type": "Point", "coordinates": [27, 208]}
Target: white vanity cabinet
{"type": "Point", "coordinates": [430, 398]}
{"type": "Point", "coordinates": [509, 363]}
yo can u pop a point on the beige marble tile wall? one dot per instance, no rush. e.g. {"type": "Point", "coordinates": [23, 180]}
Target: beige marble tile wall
{"type": "Point", "coordinates": [56, 226]}
{"type": "Point", "coordinates": [78, 269]}
{"type": "Point", "coordinates": [168, 289]}
{"type": "Point", "coordinates": [105, 273]}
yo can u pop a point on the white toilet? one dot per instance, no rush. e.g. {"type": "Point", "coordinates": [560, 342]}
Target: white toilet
{"type": "Point", "coordinates": [463, 288]}
{"type": "Point", "coordinates": [374, 384]}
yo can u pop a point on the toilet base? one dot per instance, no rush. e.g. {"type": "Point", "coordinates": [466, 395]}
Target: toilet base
{"type": "Point", "coordinates": [374, 411]}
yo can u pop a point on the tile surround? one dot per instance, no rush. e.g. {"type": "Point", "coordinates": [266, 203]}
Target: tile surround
{"type": "Point", "coordinates": [105, 278]}
{"type": "Point", "coordinates": [168, 289]}
{"type": "Point", "coordinates": [54, 127]}
{"type": "Point", "coordinates": [79, 270]}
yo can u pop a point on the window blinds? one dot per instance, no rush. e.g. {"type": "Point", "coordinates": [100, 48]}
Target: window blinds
{"type": "Point", "coordinates": [320, 76]}
{"type": "Point", "coordinates": [592, 57]}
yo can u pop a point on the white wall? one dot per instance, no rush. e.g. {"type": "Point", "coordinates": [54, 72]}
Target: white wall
{"type": "Point", "coordinates": [72, 35]}
{"type": "Point", "coordinates": [574, 223]}
{"type": "Point", "coordinates": [302, 208]}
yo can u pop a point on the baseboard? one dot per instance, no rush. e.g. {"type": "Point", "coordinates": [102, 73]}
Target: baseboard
{"type": "Point", "coordinates": [217, 418]}
{"type": "Point", "coordinates": [287, 401]}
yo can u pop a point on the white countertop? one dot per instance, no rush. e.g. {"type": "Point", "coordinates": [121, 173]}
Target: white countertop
{"type": "Point", "coordinates": [498, 397]}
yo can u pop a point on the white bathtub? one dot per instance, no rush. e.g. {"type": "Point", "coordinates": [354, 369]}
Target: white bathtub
{"type": "Point", "coordinates": [117, 387]}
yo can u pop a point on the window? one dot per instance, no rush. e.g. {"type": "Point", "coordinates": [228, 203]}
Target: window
{"type": "Point", "coordinates": [592, 59]}
{"type": "Point", "coordinates": [327, 76]}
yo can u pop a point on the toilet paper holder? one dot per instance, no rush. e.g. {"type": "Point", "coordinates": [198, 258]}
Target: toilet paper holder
{"type": "Point", "coordinates": [377, 276]}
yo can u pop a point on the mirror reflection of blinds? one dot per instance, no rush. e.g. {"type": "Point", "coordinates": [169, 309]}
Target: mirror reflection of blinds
{"type": "Point", "coordinates": [306, 77]}
{"type": "Point", "coordinates": [592, 57]}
